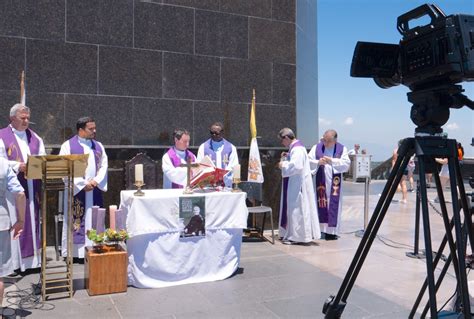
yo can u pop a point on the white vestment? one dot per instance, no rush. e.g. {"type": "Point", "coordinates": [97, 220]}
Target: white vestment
{"type": "Point", "coordinates": [100, 176]}
{"type": "Point", "coordinates": [171, 174]}
{"type": "Point", "coordinates": [233, 160]}
{"type": "Point", "coordinates": [302, 218]}
{"type": "Point", "coordinates": [35, 260]}
{"type": "Point", "coordinates": [338, 165]}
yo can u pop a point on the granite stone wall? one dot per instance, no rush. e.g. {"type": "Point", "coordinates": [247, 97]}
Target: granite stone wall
{"type": "Point", "coordinates": [142, 68]}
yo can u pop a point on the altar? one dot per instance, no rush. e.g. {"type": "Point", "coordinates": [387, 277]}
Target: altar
{"type": "Point", "coordinates": [159, 256]}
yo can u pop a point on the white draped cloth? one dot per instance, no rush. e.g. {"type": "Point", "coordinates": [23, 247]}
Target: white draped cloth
{"type": "Point", "coordinates": [100, 176]}
{"type": "Point", "coordinates": [35, 260]}
{"type": "Point", "coordinates": [338, 166]}
{"type": "Point", "coordinates": [233, 159]}
{"type": "Point", "coordinates": [159, 257]}
{"type": "Point", "coordinates": [302, 218]}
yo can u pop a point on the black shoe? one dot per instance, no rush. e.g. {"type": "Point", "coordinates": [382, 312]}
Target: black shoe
{"type": "Point", "coordinates": [323, 235]}
{"type": "Point", "coordinates": [331, 237]}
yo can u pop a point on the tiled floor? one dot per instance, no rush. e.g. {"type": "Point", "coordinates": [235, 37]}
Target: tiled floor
{"type": "Point", "coordinates": [281, 281]}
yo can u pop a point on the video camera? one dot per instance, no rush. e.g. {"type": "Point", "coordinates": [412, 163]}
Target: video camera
{"type": "Point", "coordinates": [429, 59]}
{"type": "Point", "coordinates": [442, 51]}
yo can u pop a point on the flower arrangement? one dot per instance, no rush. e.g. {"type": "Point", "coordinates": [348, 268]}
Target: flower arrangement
{"type": "Point", "coordinates": [109, 236]}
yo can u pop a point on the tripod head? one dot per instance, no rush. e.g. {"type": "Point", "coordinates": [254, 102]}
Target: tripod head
{"type": "Point", "coordinates": [430, 109]}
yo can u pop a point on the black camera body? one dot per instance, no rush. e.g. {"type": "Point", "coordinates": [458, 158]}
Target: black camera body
{"type": "Point", "coordinates": [441, 52]}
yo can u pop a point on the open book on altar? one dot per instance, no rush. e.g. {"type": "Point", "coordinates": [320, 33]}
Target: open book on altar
{"type": "Point", "coordinates": [207, 174]}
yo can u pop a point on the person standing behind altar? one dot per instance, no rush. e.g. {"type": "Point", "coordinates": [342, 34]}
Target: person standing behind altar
{"type": "Point", "coordinates": [88, 189]}
{"type": "Point", "coordinates": [9, 230]}
{"type": "Point", "coordinates": [18, 141]}
{"type": "Point", "coordinates": [221, 151]}
{"type": "Point", "coordinates": [175, 176]}
{"type": "Point", "coordinates": [298, 216]}
{"type": "Point", "coordinates": [328, 160]}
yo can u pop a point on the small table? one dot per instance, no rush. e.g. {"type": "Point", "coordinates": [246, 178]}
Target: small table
{"type": "Point", "coordinates": [159, 257]}
{"type": "Point", "coordinates": [105, 271]}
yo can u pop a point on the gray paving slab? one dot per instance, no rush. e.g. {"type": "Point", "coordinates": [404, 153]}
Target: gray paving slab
{"type": "Point", "coordinates": [280, 281]}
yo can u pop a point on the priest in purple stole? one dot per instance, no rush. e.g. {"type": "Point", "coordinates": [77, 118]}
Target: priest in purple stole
{"type": "Point", "coordinates": [329, 159]}
{"type": "Point", "coordinates": [221, 151]}
{"type": "Point", "coordinates": [18, 142]}
{"type": "Point", "coordinates": [88, 189]}
{"type": "Point", "coordinates": [298, 221]}
{"type": "Point", "coordinates": [173, 175]}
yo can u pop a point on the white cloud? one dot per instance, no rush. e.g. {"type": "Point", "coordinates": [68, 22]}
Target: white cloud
{"type": "Point", "coordinates": [452, 126]}
{"type": "Point", "coordinates": [349, 121]}
{"type": "Point", "coordinates": [323, 121]}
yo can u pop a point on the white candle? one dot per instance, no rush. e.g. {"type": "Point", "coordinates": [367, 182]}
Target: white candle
{"type": "Point", "coordinates": [138, 173]}
{"type": "Point", "coordinates": [236, 171]}
{"type": "Point", "coordinates": [112, 210]}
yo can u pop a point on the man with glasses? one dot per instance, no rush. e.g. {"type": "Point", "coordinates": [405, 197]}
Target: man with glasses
{"type": "Point", "coordinates": [298, 216]}
{"type": "Point", "coordinates": [329, 159]}
{"type": "Point", "coordinates": [221, 151]}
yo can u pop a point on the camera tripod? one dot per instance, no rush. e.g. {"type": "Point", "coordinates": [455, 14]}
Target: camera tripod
{"type": "Point", "coordinates": [426, 148]}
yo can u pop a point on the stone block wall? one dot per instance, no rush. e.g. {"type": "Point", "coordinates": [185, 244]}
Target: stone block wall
{"type": "Point", "coordinates": [143, 68]}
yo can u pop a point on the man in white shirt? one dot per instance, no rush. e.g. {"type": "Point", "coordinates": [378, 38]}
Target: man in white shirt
{"type": "Point", "coordinates": [328, 161]}
{"type": "Point", "coordinates": [175, 176]}
{"type": "Point", "coordinates": [87, 189]}
{"type": "Point", "coordinates": [19, 141]}
{"type": "Point", "coordinates": [221, 151]}
{"type": "Point", "coordinates": [9, 229]}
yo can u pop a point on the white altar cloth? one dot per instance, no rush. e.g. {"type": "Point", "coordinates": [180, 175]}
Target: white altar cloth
{"type": "Point", "coordinates": [159, 257]}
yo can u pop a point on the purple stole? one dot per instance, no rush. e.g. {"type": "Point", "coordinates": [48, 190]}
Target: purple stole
{"type": "Point", "coordinates": [14, 154]}
{"type": "Point", "coordinates": [176, 160]}
{"type": "Point", "coordinates": [209, 151]}
{"type": "Point", "coordinates": [328, 213]}
{"type": "Point", "coordinates": [79, 209]}
{"type": "Point", "coordinates": [284, 204]}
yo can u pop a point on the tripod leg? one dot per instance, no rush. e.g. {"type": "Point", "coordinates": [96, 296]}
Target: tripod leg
{"type": "Point", "coordinates": [333, 307]}
{"type": "Point", "coordinates": [464, 204]}
{"type": "Point", "coordinates": [425, 283]}
{"type": "Point", "coordinates": [415, 253]}
{"type": "Point", "coordinates": [462, 282]}
{"type": "Point", "coordinates": [427, 235]}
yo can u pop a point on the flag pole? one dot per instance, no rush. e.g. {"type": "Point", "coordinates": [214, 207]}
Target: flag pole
{"type": "Point", "coordinates": [22, 88]}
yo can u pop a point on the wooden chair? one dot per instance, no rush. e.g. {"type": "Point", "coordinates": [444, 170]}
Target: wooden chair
{"type": "Point", "coordinates": [254, 197]}
{"type": "Point", "coordinates": [149, 168]}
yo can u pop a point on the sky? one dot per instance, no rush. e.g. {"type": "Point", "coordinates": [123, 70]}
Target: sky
{"type": "Point", "coordinates": [357, 108]}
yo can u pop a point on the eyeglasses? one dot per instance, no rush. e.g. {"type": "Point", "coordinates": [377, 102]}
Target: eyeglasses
{"type": "Point", "coordinates": [215, 133]}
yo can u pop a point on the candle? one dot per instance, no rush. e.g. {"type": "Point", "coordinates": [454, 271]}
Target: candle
{"type": "Point", "coordinates": [138, 173]}
{"type": "Point", "coordinates": [95, 211]}
{"type": "Point", "coordinates": [112, 216]}
{"type": "Point", "coordinates": [101, 220]}
{"type": "Point", "coordinates": [236, 171]}
{"type": "Point", "coordinates": [119, 220]}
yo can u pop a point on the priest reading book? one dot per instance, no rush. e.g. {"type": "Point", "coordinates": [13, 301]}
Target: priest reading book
{"type": "Point", "coordinates": [207, 174]}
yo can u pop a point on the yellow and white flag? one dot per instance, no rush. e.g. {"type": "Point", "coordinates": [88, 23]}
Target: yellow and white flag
{"type": "Point", "coordinates": [255, 173]}
{"type": "Point", "coordinates": [22, 89]}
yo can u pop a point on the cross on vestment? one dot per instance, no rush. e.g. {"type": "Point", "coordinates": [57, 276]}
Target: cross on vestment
{"type": "Point", "coordinates": [188, 165]}
{"type": "Point", "coordinates": [225, 160]}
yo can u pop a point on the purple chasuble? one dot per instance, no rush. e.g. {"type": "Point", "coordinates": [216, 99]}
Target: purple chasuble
{"type": "Point", "coordinates": [176, 160]}
{"type": "Point", "coordinates": [14, 154]}
{"type": "Point", "coordinates": [328, 213]}
{"type": "Point", "coordinates": [226, 151]}
{"type": "Point", "coordinates": [78, 207]}
{"type": "Point", "coordinates": [284, 204]}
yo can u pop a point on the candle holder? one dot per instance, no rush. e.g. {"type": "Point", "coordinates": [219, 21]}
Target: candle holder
{"type": "Point", "coordinates": [236, 182]}
{"type": "Point", "coordinates": [139, 185]}
{"type": "Point", "coordinates": [188, 190]}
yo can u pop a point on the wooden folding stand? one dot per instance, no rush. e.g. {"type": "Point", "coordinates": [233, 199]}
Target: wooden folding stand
{"type": "Point", "coordinates": [56, 173]}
